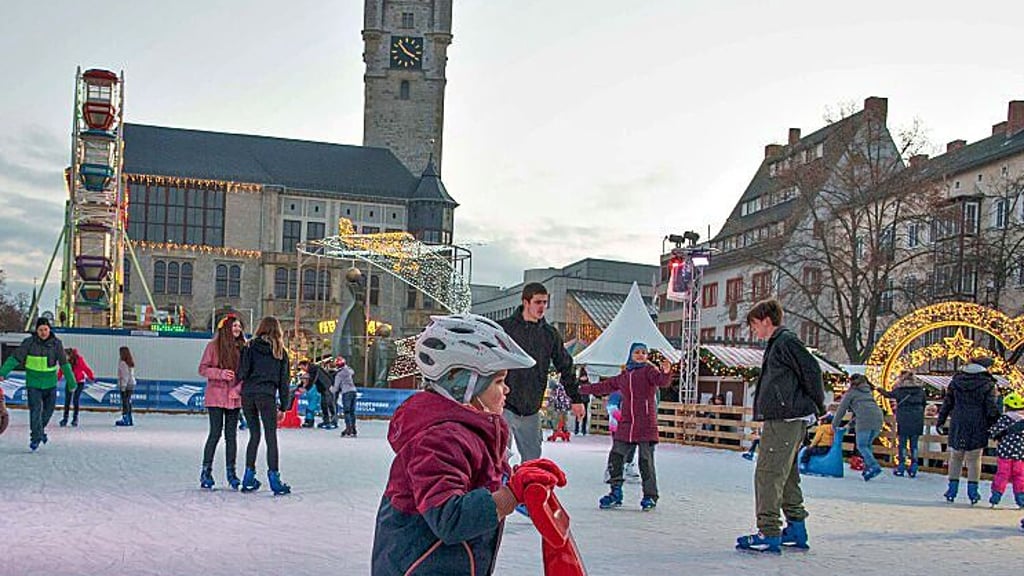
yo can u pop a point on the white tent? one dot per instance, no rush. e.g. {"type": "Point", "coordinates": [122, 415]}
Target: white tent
{"type": "Point", "coordinates": [606, 355]}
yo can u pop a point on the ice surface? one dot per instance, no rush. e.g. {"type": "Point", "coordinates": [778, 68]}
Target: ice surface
{"type": "Point", "coordinates": [104, 501]}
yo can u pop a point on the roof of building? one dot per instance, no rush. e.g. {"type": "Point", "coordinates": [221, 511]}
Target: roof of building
{"type": "Point", "coordinates": [739, 357]}
{"type": "Point", "coordinates": [430, 186]}
{"type": "Point", "coordinates": [973, 155]}
{"type": "Point", "coordinates": [764, 183]}
{"type": "Point", "coordinates": [298, 164]}
{"type": "Point", "coordinates": [602, 307]}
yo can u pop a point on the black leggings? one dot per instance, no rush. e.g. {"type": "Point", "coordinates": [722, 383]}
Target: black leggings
{"type": "Point", "coordinates": [261, 409]}
{"type": "Point", "coordinates": [72, 397]}
{"type": "Point", "coordinates": [222, 420]}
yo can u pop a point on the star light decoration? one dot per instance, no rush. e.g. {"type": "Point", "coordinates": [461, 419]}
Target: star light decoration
{"type": "Point", "coordinates": [889, 358]}
{"type": "Point", "coordinates": [428, 268]}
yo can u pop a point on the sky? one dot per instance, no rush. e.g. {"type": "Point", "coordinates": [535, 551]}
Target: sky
{"type": "Point", "coordinates": [573, 129]}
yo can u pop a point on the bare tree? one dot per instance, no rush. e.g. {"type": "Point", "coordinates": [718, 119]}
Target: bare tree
{"type": "Point", "coordinates": [844, 249]}
{"type": "Point", "coordinates": [12, 310]}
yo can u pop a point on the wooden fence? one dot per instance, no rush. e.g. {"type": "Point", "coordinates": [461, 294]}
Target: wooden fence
{"type": "Point", "coordinates": [731, 428]}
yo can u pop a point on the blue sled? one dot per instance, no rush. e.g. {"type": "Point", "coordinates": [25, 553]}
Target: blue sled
{"type": "Point", "coordinates": [830, 464]}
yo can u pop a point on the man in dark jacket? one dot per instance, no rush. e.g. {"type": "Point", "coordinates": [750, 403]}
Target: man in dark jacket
{"type": "Point", "coordinates": [544, 344]}
{"type": "Point", "coordinates": [41, 354]}
{"type": "Point", "coordinates": [972, 407]}
{"type": "Point", "coordinates": [788, 397]}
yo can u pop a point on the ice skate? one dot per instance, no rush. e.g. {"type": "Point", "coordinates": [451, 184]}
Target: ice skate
{"type": "Point", "coordinates": [647, 504]}
{"type": "Point", "coordinates": [760, 543]}
{"type": "Point", "coordinates": [951, 490]}
{"type": "Point", "coordinates": [206, 478]}
{"type": "Point", "coordinates": [278, 487]}
{"type": "Point", "coordinates": [611, 500]}
{"type": "Point", "coordinates": [249, 481]}
{"type": "Point", "coordinates": [794, 535]}
{"type": "Point", "coordinates": [232, 478]}
{"type": "Point", "coordinates": [972, 493]}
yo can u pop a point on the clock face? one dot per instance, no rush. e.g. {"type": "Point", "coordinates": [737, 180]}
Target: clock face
{"type": "Point", "coordinates": [407, 52]}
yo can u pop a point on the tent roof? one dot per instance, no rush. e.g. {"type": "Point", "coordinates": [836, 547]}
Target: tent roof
{"type": "Point", "coordinates": [737, 357]}
{"type": "Point", "coordinates": [632, 323]}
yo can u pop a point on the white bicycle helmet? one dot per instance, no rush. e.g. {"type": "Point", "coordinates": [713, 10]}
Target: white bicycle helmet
{"type": "Point", "coordinates": [467, 342]}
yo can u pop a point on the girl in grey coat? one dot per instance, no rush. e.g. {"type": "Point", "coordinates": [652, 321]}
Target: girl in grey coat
{"type": "Point", "coordinates": [861, 401]}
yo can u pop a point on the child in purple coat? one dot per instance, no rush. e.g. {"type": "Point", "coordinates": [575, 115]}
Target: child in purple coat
{"type": "Point", "coordinates": [638, 422]}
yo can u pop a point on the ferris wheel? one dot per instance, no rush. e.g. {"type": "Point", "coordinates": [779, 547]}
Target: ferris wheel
{"type": "Point", "coordinates": [93, 278]}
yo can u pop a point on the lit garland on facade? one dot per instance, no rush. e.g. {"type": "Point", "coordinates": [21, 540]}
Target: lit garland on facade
{"type": "Point", "coordinates": [198, 248]}
{"type": "Point", "coordinates": [888, 358]}
{"type": "Point", "coordinates": [203, 183]}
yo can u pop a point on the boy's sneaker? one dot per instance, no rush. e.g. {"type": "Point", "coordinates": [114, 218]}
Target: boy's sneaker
{"type": "Point", "coordinates": [748, 456]}
{"type": "Point", "coordinates": [648, 504]}
{"type": "Point", "coordinates": [611, 500]}
{"type": "Point", "coordinates": [33, 445]}
{"type": "Point", "coordinates": [760, 543]}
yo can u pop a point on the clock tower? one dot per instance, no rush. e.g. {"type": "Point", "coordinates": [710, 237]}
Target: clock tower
{"type": "Point", "coordinates": [405, 45]}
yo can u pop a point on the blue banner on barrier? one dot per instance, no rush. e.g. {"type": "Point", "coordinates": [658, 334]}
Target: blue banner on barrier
{"type": "Point", "coordinates": [188, 396]}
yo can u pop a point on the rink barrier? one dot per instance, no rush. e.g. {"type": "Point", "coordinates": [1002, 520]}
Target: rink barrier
{"type": "Point", "coordinates": [187, 396]}
{"type": "Point", "coordinates": [733, 428]}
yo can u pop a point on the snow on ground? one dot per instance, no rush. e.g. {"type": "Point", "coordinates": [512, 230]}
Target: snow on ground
{"type": "Point", "coordinates": [101, 500]}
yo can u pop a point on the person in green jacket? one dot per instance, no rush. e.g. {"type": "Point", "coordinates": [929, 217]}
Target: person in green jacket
{"type": "Point", "coordinates": [41, 354]}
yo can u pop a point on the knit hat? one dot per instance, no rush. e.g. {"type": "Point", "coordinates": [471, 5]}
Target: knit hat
{"type": "Point", "coordinates": [43, 321]}
{"type": "Point", "coordinates": [985, 362]}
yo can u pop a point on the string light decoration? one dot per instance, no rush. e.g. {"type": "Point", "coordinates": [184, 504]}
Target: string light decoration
{"type": "Point", "coordinates": [200, 248]}
{"type": "Point", "coordinates": [204, 183]}
{"type": "Point", "coordinates": [888, 359]}
{"type": "Point", "coordinates": [428, 268]}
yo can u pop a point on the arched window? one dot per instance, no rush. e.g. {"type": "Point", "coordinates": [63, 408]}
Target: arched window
{"type": "Point", "coordinates": [186, 278]}
{"type": "Point", "coordinates": [172, 278]}
{"type": "Point", "coordinates": [221, 281]}
{"type": "Point", "coordinates": [323, 285]}
{"type": "Point", "coordinates": [308, 284]}
{"type": "Point", "coordinates": [403, 90]}
{"type": "Point", "coordinates": [281, 283]}
{"type": "Point", "coordinates": [235, 281]}
{"type": "Point", "coordinates": [374, 290]}
{"type": "Point", "coordinates": [159, 277]}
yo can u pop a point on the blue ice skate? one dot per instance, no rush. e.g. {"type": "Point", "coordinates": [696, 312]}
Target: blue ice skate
{"type": "Point", "coordinates": [794, 535]}
{"type": "Point", "coordinates": [951, 490]}
{"type": "Point", "coordinates": [521, 508]}
{"type": "Point", "coordinates": [871, 473]}
{"type": "Point", "coordinates": [972, 493]}
{"type": "Point", "coordinates": [648, 504]}
{"type": "Point", "coordinates": [1019, 498]}
{"type": "Point", "coordinates": [995, 498]}
{"type": "Point", "coordinates": [760, 543]}
{"type": "Point", "coordinates": [33, 445]}
{"type": "Point", "coordinates": [233, 480]}
{"type": "Point", "coordinates": [611, 500]}
{"type": "Point", "coordinates": [249, 481]}
{"type": "Point", "coordinates": [276, 485]}
{"type": "Point", "coordinates": [206, 478]}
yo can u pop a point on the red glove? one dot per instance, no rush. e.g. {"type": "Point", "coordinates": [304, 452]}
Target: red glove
{"type": "Point", "coordinates": [524, 476]}
{"type": "Point", "coordinates": [547, 466]}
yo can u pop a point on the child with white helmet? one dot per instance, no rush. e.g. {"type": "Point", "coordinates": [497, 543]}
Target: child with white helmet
{"type": "Point", "coordinates": [447, 497]}
{"type": "Point", "coordinates": [1009, 432]}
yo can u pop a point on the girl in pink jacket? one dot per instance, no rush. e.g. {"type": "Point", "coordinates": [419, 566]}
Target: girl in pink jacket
{"type": "Point", "coordinates": [223, 397]}
{"type": "Point", "coordinates": [638, 422]}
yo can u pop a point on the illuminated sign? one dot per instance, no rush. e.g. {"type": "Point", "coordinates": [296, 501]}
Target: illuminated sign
{"type": "Point", "coordinates": [167, 328]}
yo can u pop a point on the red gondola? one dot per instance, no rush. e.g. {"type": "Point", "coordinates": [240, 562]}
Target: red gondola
{"type": "Point", "coordinates": [98, 108]}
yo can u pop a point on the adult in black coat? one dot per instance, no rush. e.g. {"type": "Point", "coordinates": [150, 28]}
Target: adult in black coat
{"type": "Point", "coordinates": [971, 407]}
{"type": "Point", "coordinates": [910, 401]}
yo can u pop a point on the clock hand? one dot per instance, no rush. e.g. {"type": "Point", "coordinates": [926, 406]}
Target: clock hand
{"type": "Point", "coordinates": [401, 46]}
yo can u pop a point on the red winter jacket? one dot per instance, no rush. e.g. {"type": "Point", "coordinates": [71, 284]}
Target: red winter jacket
{"type": "Point", "coordinates": [639, 419]}
{"type": "Point", "coordinates": [437, 515]}
{"type": "Point", "coordinates": [82, 371]}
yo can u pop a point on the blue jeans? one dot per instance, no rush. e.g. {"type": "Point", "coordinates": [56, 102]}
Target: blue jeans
{"type": "Point", "coordinates": [864, 440]}
{"type": "Point", "coordinates": [905, 443]}
{"type": "Point", "coordinates": [348, 407]}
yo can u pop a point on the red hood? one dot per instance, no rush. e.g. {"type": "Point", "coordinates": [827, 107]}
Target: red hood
{"type": "Point", "coordinates": [443, 449]}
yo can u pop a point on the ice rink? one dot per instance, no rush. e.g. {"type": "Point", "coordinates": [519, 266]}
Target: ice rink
{"type": "Point", "coordinates": [103, 501]}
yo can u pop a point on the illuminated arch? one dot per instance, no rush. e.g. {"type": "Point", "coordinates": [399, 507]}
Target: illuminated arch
{"type": "Point", "coordinates": [888, 358]}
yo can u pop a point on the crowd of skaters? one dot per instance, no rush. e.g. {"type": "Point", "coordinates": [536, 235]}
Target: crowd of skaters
{"type": "Point", "coordinates": [503, 380]}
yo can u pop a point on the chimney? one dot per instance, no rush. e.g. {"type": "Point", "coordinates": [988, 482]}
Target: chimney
{"type": "Point", "coordinates": [918, 160]}
{"type": "Point", "coordinates": [1015, 118]}
{"type": "Point", "coordinates": [955, 145]}
{"type": "Point", "coordinates": [999, 128]}
{"type": "Point", "coordinates": [877, 108]}
{"type": "Point", "coordinates": [772, 150]}
{"type": "Point", "coordinates": [794, 136]}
